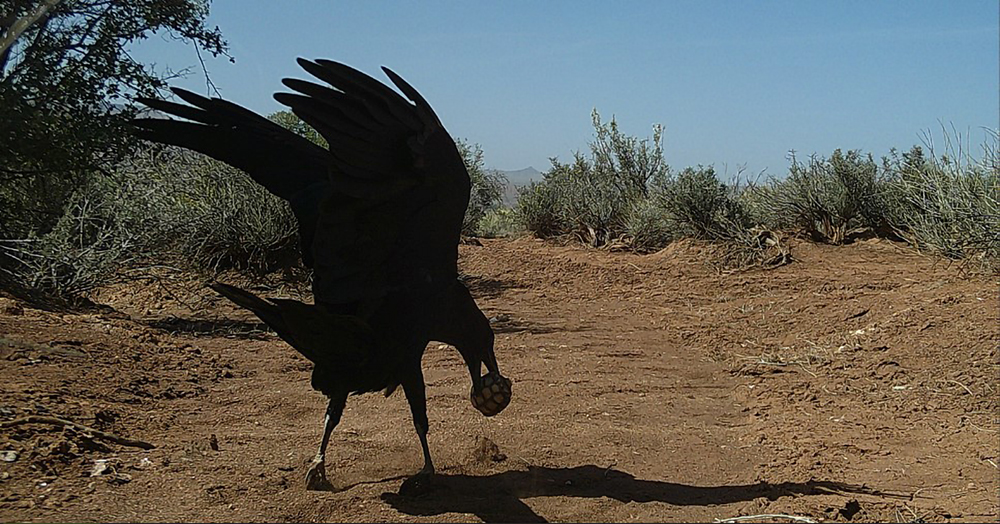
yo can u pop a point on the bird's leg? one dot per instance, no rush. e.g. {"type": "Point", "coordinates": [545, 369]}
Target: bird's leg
{"type": "Point", "coordinates": [316, 476]}
{"type": "Point", "coordinates": [417, 397]}
{"type": "Point", "coordinates": [413, 386]}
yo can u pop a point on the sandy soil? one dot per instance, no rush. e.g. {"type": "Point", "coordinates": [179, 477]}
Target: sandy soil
{"type": "Point", "coordinates": [857, 383]}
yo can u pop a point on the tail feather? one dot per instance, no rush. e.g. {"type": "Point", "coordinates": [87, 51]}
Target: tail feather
{"type": "Point", "coordinates": [320, 336]}
{"type": "Point", "coordinates": [266, 311]}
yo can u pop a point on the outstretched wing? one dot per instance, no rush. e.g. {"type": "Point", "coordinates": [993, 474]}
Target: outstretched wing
{"type": "Point", "coordinates": [380, 210]}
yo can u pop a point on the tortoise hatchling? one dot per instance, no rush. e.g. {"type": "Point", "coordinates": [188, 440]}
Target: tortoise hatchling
{"type": "Point", "coordinates": [494, 395]}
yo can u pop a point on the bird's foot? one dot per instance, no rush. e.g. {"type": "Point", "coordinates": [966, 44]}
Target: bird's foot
{"type": "Point", "coordinates": [418, 484]}
{"type": "Point", "coordinates": [316, 477]}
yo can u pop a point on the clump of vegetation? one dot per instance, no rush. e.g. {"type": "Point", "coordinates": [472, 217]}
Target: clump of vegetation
{"type": "Point", "coordinates": [827, 198]}
{"type": "Point", "coordinates": [207, 213]}
{"type": "Point", "coordinates": [592, 198]}
{"type": "Point", "coordinates": [647, 227]}
{"type": "Point", "coordinates": [488, 185]}
{"type": "Point", "coordinates": [171, 205]}
{"type": "Point", "coordinates": [498, 222]}
{"type": "Point", "coordinates": [698, 205]}
{"type": "Point", "coordinates": [947, 205]}
{"type": "Point", "coordinates": [165, 204]}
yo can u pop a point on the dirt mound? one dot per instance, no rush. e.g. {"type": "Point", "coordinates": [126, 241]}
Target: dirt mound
{"type": "Point", "coordinates": [857, 383]}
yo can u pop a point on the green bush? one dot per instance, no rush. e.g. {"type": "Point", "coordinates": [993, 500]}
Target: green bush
{"type": "Point", "coordinates": [828, 198]}
{"type": "Point", "coordinates": [487, 189]}
{"type": "Point", "coordinates": [166, 204]}
{"type": "Point", "coordinates": [210, 214]}
{"type": "Point", "coordinates": [498, 222]}
{"type": "Point", "coordinates": [593, 197]}
{"type": "Point", "coordinates": [85, 245]}
{"type": "Point", "coordinates": [647, 226]}
{"type": "Point", "coordinates": [538, 210]}
{"type": "Point", "coordinates": [32, 205]}
{"type": "Point", "coordinates": [948, 205]}
{"type": "Point", "coordinates": [698, 205]}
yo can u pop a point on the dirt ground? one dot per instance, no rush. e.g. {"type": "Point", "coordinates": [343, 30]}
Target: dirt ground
{"type": "Point", "coordinates": [858, 383]}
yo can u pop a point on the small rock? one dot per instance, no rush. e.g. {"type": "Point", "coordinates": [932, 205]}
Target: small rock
{"type": "Point", "coordinates": [8, 456]}
{"type": "Point", "coordinates": [120, 478]}
{"type": "Point", "coordinates": [102, 467]}
{"type": "Point", "coordinates": [487, 450]}
{"type": "Point", "coordinates": [213, 442]}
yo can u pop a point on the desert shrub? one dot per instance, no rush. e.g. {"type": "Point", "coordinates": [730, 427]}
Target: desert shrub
{"type": "Point", "coordinates": [165, 204]}
{"type": "Point", "coordinates": [210, 214]}
{"type": "Point", "coordinates": [647, 226]}
{"type": "Point", "coordinates": [538, 210]}
{"type": "Point", "coordinates": [827, 198]}
{"type": "Point", "coordinates": [591, 198]}
{"type": "Point", "coordinates": [757, 201]}
{"type": "Point", "coordinates": [32, 205]}
{"type": "Point", "coordinates": [83, 246]}
{"type": "Point", "coordinates": [487, 189]}
{"type": "Point", "coordinates": [699, 205]}
{"type": "Point", "coordinates": [949, 205]}
{"type": "Point", "coordinates": [498, 222]}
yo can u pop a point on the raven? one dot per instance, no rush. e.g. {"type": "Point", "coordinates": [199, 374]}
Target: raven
{"type": "Point", "coordinates": [380, 215]}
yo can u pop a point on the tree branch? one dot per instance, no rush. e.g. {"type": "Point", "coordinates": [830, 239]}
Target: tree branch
{"type": "Point", "coordinates": [19, 27]}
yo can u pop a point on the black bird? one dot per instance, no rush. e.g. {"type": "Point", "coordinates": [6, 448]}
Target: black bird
{"type": "Point", "coordinates": [380, 216]}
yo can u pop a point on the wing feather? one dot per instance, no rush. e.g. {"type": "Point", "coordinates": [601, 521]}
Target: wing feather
{"type": "Point", "coordinates": [380, 210]}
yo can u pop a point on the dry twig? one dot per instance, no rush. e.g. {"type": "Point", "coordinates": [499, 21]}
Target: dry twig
{"type": "Point", "coordinates": [767, 516]}
{"type": "Point", "coordinates": [38, 419]}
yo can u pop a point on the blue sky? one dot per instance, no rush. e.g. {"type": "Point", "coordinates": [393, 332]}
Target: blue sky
{"type": "Point", "coordinates": [733, 83]}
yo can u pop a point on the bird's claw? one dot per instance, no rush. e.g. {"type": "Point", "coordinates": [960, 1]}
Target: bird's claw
{"type": "Point", "coordinates": [316, 477]}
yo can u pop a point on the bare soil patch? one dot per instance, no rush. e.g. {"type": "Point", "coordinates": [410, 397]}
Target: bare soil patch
{"type": "Point", "coordinates": [858, 383]}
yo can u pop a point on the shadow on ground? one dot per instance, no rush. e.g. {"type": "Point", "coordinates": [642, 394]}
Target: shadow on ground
{"type": "Point", "coordinates": [212, 327]}
{"type": "Point", "coordinates": [503, 323]}
{"type": "Point", "coordinates": [484, 287]}
{"type": "Point", "coordinates": [499, 497]}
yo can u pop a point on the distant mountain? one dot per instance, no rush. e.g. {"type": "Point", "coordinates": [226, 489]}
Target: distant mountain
{"type": "Point", "coordinates": [522, 176]}
{"type": "Point", "coordinates": [516, 179]}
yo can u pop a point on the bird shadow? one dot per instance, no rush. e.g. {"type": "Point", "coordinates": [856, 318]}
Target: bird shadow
{"type": "Point", "coordinates": [500, 497]}
{"type": "Point", "coordinates": [212, 327]}
{"type": "Point", "coordinates": [485, 287]}
{"type": "Point", "coordinates": [504, 324]}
